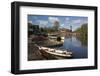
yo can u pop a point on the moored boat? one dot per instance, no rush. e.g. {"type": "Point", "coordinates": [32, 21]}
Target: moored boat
{"type": "Point", "coordinates": [55, 53]}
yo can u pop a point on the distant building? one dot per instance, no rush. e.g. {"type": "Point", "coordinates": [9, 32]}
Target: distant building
{"type": "Point", "coordinates": [64, 31]}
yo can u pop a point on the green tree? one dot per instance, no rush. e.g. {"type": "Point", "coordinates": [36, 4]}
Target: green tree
{"type": "Point", "coordinates": [83, 31]}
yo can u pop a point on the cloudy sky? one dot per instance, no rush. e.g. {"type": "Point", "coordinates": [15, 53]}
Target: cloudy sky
{"type": "Point", "coordinates": [64, 21]}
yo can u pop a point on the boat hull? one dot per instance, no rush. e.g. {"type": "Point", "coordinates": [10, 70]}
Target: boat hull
{"type": "Point", "coordinates": [53, 56]}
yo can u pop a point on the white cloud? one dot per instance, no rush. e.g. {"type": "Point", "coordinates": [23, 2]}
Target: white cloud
{"type": "Point", "coordinates": [53, 19]}
{"type": "Point", "coordinates": [67, 19]}
{"type": "Point", "coordinates": [30, 22]}
{"type": "Point", "coordinates": [80, 21]}
{"type": "Point", "coordinates": [77, 21]}
{"type": "Point", "coordinates": [62, 25]}
{"type": "Point", "coordinates": [42, 23]}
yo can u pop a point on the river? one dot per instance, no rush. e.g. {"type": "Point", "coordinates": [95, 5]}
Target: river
{"type": "Point", "coordinates": [75, 45]}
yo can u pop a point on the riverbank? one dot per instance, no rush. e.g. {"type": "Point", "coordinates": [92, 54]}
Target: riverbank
{"type": "Point", "coordinates": [35, 54]}
{"type": "Point", "coordinates": [48, 43]}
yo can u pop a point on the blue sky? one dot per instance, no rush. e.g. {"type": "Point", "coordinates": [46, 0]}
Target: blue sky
{"type": "Point", "coordinates": [64, 21]}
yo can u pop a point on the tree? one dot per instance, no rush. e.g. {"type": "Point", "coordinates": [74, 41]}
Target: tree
{"type": "Point", "coordinates": [83, 30]}
{"type": "Point", "coordinates": [56, 25]}
{"type": "Point", "coordinates": [42, 29]}
{"type": "Point", "coordinates": [30, 29]}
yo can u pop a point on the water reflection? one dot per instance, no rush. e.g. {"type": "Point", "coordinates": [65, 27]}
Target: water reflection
{"type": "Point", "coordinates": [76, 46]}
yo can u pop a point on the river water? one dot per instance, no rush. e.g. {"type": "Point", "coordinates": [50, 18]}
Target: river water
{"type": "Point", "coordinates": [75, 45]}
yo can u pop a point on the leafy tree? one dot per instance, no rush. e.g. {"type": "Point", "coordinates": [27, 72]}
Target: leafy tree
{"type": "Point", "coordinates": [56, 25]}
{"type": "Point", "coordinates": [83, 30]}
